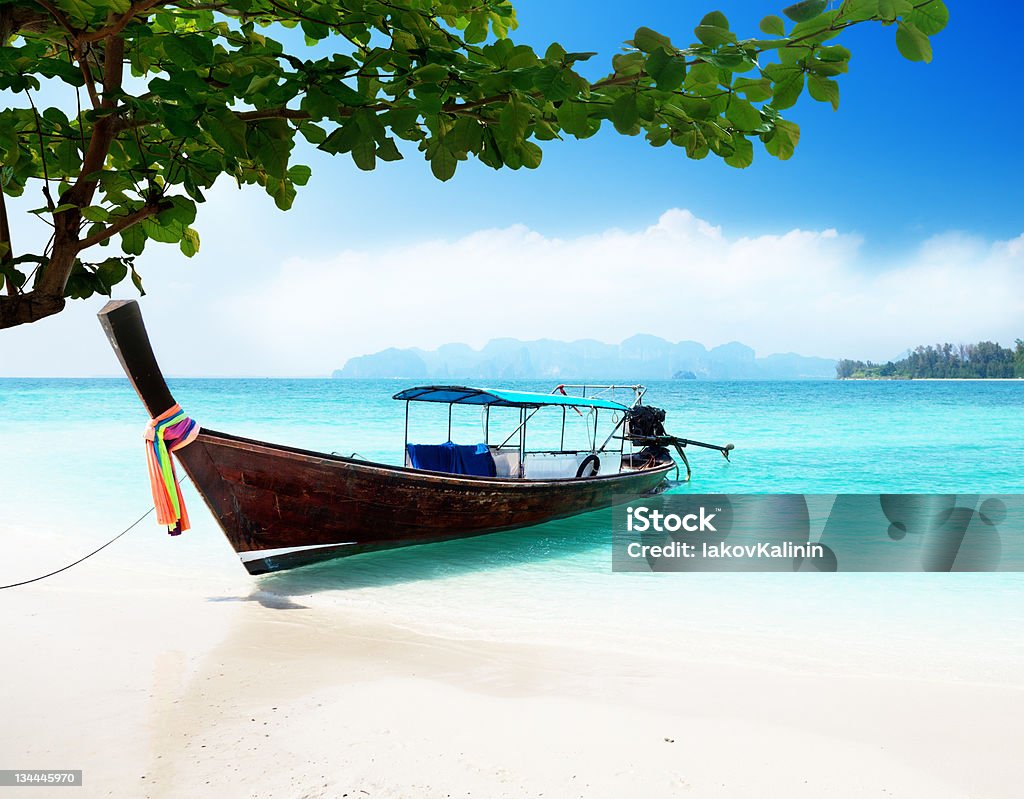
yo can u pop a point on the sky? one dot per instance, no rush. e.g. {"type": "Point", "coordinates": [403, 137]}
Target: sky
{"type": "Point", "coordinates": [898, 222]}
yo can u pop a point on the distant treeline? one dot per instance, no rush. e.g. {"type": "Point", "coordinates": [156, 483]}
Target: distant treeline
{"type": "Point", "coordinates": [984, 359]}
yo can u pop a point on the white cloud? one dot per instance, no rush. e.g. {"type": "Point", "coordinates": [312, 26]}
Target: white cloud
{"type": "Point", "coordinates": [681, 278]}
{"type": "Point", "coordinates": [816, 293]}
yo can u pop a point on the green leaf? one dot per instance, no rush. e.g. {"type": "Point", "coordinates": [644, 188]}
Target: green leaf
{"type": "Point", "coordinates": [773, 26]}
{"type": "Point", "coordinates": [714, 30]}
{"type": "Point", "coordinates": [742, 155]}
{"type": "Point", "coordinates": [574, 118]}
{"type": "Point", "coordinates": [299, 174]}
{"type": "Point", "coordinates": [476, 30]}
{"type": "Point", "coordinates": [341, 140]}
{"type": "Point", "coordinates": [314, 30]}
{"type": "Point", "coordinates": [833, 52]}
{"type": "Point", "coordinates": [667, 70]}
{"type": "Point", "coordinates": [12, 276]}
{"type": "Point", "coordinates": [556, 83]}
{"type": "Point", "coordinates": [824, 90]}
{"type": "Point", "coordinates": [182, 211]}
{"type": "Point", "coordinates": [514, 120]}
{"type": "Point", "coordinates": [133, 240]}
{"type": "Point", "coordinates": [742, 114]}
{"type": "Point", "coordinates": [858, 10]}
{"type": "Point", "coordinates": [387, 150]}
{"type": "Point", "coordinates": [320, 105]}
{"type": "Point", "coordinates": [694, 141]}
{"type": "Point", "coordinates": [188, 51]}
{"type": "Point", "coordinates": [137, 280]}
{"type": "Point", "coordinates": [312, 133]}
{"type": "Point", "coordinates": [755, 89]}
{"type": "Point", "coordinates": [788, 83]}
{"type": "Point", "coordinates": [648, 40]}
{"type": "Point", "coordinates": [109, 273]}
{"type": "Point", "coordinates": [817, 29]}
{"type": "Point", "coordinates": [659, 136]}
{"type": "Point", "coordinates": [696, 107]}
{"type": "Point", "coordinates": [555, 53]}
{"type": "Point", "coordinates": [626, 114]}
{"type": "Point", "coordinates": [59, 209]}
{"type": "Point", "coordinates": [913, 44]}
{"type": "Point", "coordinates": [783, 140]}
{"type": "Point", "coordinates": [267, 146]}
{"type": "Point", "coordinates": [364, 153]}
{"type": "Point", "coordinates": [929, 19]}
{"type": "Point", "coordinates": [628, 63]}
{"type": "Point", "coordinates": [189, 243]}
{"type": "Point", "coordinates": [531, 155]}
{"type": "Point", "coordinates": [443, 163]}
{"type": "Point", "coordinates": [259, 84]}
{"type": "Point", "coordinates": [805, 10]}
{"type": "Point", "coordinates": [95, 213]}
{"type": "Point", "coordinates": [165, 234]}
{"type": "Point", "coordinates": [572, 58]}
{"type": "Point", "coordinates": [282, 191]}
{"type": "Point", "coordinates": [715, 19]}
{"type": "Point", "coordinates": [432, 73]}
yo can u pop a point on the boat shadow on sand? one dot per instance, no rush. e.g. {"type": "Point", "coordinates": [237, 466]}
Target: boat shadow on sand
{"type": "Point", "coordinates": [551, 541]}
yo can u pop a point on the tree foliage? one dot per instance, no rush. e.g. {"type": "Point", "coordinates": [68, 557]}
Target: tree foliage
{"type": "Point", "coordinates": [984, 359]}
{"type": "Point", "coordinates": [162, 97]}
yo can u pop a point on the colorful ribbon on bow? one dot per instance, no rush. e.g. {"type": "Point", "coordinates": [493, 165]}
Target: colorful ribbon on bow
{"type": "Point", "coordinates": [169, 431]}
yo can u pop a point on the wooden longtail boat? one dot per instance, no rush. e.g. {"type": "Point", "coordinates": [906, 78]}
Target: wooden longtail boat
{"type": "Point", "coordinates": [282, 507]}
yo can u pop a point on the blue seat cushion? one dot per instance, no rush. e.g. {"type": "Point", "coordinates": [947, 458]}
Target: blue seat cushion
{"type": "Point", "coordinates": [471, 459]}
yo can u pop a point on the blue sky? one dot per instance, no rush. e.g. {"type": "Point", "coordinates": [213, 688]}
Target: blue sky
{"type": "Point", "coordinates": [897, 222]}
{"type": "Point", "coordinates": [914, 149]}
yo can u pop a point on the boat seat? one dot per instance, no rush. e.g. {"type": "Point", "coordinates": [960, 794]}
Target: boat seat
{"type": "Point", "coordinates": [506, 462]}
{"type": "Point", "coordinates": [468, 459]}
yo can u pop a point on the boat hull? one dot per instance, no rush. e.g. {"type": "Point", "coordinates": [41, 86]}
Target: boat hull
{"type": "Point", "coordinates": [282, 507]}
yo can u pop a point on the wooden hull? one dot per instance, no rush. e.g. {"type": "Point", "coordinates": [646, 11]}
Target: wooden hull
{"type": "Point", "coordinates": [282, 507]}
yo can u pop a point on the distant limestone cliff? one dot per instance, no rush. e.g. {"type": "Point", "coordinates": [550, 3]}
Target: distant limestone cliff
{"type": "Point", "coordinates": [635, 359]}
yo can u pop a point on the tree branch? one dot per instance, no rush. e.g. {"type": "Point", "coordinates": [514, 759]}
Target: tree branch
{"type": "Point", "coordinates": [122, 223]}
{"type": "Point", "coordinates": [122, 22]}
{"type": "Point", "coordinates": [58, 15]}
{"type": "Point", "coordinates": [66, 244]}
{"type": "Point", "coordinates": [272, 113]}
{"type": "Point", "coordinates": [23, 309]}
{"type": "Point", "coordinates": [83, 65]}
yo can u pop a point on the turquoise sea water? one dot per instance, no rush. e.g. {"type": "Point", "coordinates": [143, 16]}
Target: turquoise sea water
{"type": "Point", "coordinates": [72, 473]}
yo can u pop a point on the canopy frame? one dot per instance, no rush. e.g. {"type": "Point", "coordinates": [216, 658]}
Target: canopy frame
{"type": "Point", "coordinates": [467, 395]}
{"type": "Point", "coordinates": [528, 403]}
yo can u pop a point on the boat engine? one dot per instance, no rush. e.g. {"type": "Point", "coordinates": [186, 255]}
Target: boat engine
{"type": "Point", "coordinates": [646, 421]}
{"type": "Point", "coordinates": [646, 425]}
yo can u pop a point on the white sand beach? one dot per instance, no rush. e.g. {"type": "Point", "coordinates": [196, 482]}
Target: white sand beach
{"type": "Point", "coordinates": [164, 685]}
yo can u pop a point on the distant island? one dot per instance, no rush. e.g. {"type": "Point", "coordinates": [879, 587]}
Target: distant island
{"type": "Point", "coordinates": [640, 357]}
{"type": "Point", "coordinates": [986, 359]}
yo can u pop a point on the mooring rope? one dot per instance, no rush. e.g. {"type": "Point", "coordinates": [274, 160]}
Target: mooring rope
{"type": "Point", "coordinates": [80, 560]}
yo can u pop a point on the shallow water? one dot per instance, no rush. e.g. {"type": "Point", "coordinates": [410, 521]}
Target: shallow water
{"type": "Point", "coordinates": [72, 474]}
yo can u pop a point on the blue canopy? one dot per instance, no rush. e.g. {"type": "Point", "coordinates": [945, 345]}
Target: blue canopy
{"type": "Point", "coordinates": [464, 395]}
